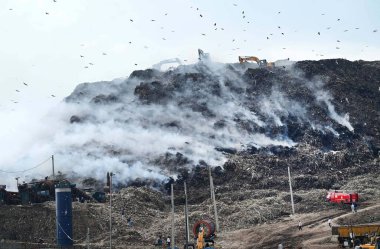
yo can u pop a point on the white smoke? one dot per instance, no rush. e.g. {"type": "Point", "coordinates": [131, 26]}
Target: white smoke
{"type": "Point", "coordinates": [127, 136]}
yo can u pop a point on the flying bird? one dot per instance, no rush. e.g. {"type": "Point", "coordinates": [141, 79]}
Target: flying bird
{"type": "Point", "coordinates": [81, 56]}
{"type": "Point", "coordinates": [200, 15]}
{"type": "Point", "coordinates": [152, 20]}
{"type": "Point", "coordinates": [243, 16]}
{"type": "Point", "coordinates": [25, 84]}
{"type": "Point", "coordinates": [267, 38]}
{"type": "Point", "coordinates": [17, 90]}
{"type": "Point", "coordinates": [337, 47]}
{"type": "Point", "coordinates": [91, 63]}
{"type": "Point", "coordinates": [345, 30]}
{"type": "Point", "coordinates": [130, 42]}
{"type": "Point", "coordinates": [214, 24]}
{"type": "Point", "coordinates": [242, 12]}
{"type": "Point", "coordinates": [104, 53]}
{"type": "Point", "coordinates": [131, 20]}
{"type": "Point", "coordinates": [166, 14]}
{"type": "Point", "coordinates": [135, 64]}
{"type": "Point", "coordinates": [374, 31]}
{"type": "Point", "coordinates": [356, 28]}
{"type": "Point", "coordinates": [53, 95]}
{"type": "Point", "coordinates": [337, 41]}
{"type": "Point", "coordinates": [319, 33]}
{"type": "Point", "coordinates": [203, 34]}
{"type": "Point", "coordinates": [86, 67]}
{"type": "Point", "coordinates": [328, 28]}
{"type": "Point", "coordinates": [163, 38]}
{"type": "Point", "coordinates": [46, 13]}
{"type": "Point", "coordinates": [282, 34]}
{"type": "Point", "coordinates": [235, 4]}
{"type": "Point", "coordinates": [278, 27]}
{"type": "Point", "coordinates": [279, 12]}
{"type": "Point", "coordinates": [338, 20]}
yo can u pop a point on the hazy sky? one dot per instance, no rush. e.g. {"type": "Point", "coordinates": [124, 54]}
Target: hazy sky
{"type": "Point", "coordinates": [42, 42]}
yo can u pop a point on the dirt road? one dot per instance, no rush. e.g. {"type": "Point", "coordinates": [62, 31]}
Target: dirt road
{"type": "Point", "coordinates": [315, 233]}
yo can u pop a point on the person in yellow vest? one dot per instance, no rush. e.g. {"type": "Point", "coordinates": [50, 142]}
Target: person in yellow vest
{"type": "Point", "coordinates": [200, 240]}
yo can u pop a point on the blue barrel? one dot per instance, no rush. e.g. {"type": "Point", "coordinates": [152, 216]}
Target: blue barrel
{"type": "Point", "coordinates": [64, 215]}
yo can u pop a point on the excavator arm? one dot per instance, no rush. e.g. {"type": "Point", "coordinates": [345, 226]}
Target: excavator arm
{"type": "Point", "coordinates": [243, 59]}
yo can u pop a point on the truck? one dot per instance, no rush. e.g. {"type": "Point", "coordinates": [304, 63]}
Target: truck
{"type": "Point", "coordinates": [347, 234]}
{"type": "Point", "coordinates": [342, 197]}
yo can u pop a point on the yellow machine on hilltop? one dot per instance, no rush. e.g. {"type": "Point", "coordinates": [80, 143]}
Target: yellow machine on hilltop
{"type": "Point", "coordinates": [261, 63]}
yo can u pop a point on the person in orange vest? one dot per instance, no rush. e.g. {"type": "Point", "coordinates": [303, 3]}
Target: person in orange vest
{"type": "Point", "coordinates": [200, 240]}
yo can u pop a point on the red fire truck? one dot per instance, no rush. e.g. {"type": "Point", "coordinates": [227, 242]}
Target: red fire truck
{"type": "Point", "coordinates": [342, 197]}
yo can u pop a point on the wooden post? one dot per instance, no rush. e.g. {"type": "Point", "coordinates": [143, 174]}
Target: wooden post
{"type": "Point", "coordinates": [172, 197]}
{"type": "Point", "coordinates": [186, 219]}
{"type": "Point", "coordinates": [52, 164]}
{"type": "Point", "coordinates": [213, 199]}
{"type": "Point", "coordinates": [291, 191]}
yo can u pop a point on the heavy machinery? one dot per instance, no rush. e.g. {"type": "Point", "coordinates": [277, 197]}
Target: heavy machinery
{"type": "Point", "coordinates": [168, 61]}
{"type": "Point", "coordinates": [342, 197]}
{"type": "Point", "coordinates": [262, 63]}
{"type": "Point", "coordinates": [202, 56]}
{"type": "Point", "coordinates": [372, 245]}
{"type": "Point", "coordinates": [357, 234]}
{"type": "Point", "coordinates": [204, 233]}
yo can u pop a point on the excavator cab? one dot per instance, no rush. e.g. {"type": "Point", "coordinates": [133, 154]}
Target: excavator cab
{"type": "Point", "coordinates": [261, 63]}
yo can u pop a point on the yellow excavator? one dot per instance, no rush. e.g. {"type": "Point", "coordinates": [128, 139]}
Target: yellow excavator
{"type": "Point", "coordinates": [261, 63]}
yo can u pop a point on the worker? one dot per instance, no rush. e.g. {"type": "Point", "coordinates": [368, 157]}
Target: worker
{"type": "Point", "coordinates": [329, 222]}
{"type": "Point", "coordinates": [299, 225]}
{"type": "Point", "coordinates": [208, 246]}
{"type": "Point", "coordinates": [353, 207]}
{"type": "Point", "coordinates": [168, 241]}
{"type": "Point", "coordinates": [200, 238]}
{"type": "Point", "coordinates": [159, 241]}
{"type": "Point", "coordinates": [280, 246]}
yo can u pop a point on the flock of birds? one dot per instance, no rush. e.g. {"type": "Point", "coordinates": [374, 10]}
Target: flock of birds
{"type": "Point", "coordinates": [215, 27]}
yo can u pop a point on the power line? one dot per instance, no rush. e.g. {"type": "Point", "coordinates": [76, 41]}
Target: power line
{"type": "Point", "coordinates": [21, 171]}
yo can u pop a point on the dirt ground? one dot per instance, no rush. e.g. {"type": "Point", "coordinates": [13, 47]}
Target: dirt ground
{"type": "Point", "coordinates": [315, 233]}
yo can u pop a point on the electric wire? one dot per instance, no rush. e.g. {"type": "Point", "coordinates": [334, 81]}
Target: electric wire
{"type": "Point", "coordinates": [21, 171]}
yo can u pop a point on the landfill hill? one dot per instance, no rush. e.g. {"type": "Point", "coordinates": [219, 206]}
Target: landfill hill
{"type": "Point", "coordinates": [320, 118]}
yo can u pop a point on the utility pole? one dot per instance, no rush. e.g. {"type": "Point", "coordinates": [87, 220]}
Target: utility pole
{"type": "Point", "coordinates": [88, 238]}
{"type": "Point", "coordinates": [52, 164]}
{"type": "Point", "coordinates": [213, 199]}
{"type": "Point", "coordinates": [291, 191]}
{"type": "Point", "coordinates": [186, 219]}
{"type": "Point", "coordinates": [17, 180]}
{"type": "Point", "coordinates": [111, 174]}
{"type": "Point", "coordinates": [172, 197]}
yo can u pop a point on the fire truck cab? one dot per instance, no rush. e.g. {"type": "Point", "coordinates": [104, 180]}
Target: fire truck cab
{"type": "Point", "coordinates": [342, 197]}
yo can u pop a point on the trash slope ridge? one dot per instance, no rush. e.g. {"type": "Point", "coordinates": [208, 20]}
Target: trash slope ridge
{"type": "Point", "coordinates": [154, 124]}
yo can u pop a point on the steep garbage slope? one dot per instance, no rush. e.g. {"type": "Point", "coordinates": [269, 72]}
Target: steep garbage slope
{"type": "Point", "coordinates": [316, 116]}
